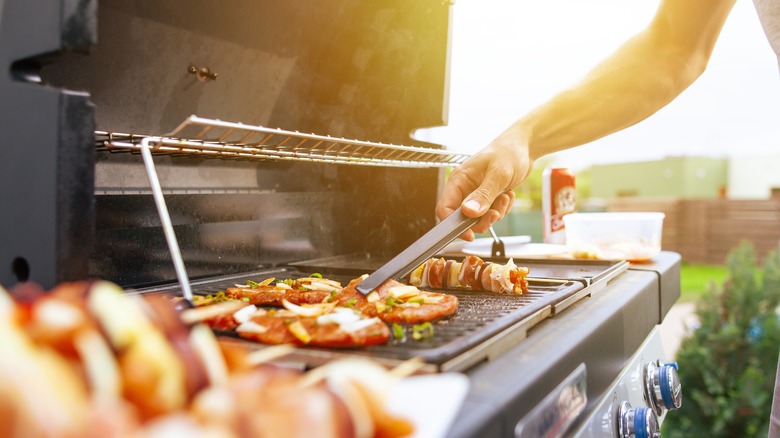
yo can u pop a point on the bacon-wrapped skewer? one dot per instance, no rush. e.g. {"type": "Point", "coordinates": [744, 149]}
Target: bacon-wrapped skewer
{"type": "Point", "coordinates": [472, 273]}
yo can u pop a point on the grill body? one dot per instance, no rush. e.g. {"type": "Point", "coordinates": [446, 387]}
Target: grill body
{"type": "Point", "coordinates": [79, 72]}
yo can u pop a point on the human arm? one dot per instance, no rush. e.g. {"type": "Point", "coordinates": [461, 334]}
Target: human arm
{"type": "Point", "coordinates": [642, 76]}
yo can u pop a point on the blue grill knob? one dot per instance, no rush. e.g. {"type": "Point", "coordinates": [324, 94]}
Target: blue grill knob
{"type": "Point", "coordinates": [638, 422]}
{"type": "Point", "coordinates": [663, 390]}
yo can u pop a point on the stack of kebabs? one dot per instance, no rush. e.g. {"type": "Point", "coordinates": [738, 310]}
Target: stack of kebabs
{"type": "Point", "coordinates": [89, 360]}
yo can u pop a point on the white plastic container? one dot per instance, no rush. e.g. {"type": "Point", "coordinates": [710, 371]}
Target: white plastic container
{"type": "Point", "coordinates": [614, 236]}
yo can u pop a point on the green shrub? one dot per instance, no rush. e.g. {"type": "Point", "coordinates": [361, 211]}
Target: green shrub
{"type": "Point", "coordinates": [728, 364]}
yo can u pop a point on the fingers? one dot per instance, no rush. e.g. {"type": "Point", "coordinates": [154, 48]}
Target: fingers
{"type": "Point", "coordinates": [468, 236]}
{"type": "Point", "coordinates": [457, 187]}
{"type": "Point", "coordinates": [497, 180]}
{"type": "Point", "coordinates": [504, 203]}
{"type": "Point", "coordinates": [500, 208]}
{"type": "Point", "coordinates": [478, 202]}
{"type": "Point", "coordinates": [489, 200]}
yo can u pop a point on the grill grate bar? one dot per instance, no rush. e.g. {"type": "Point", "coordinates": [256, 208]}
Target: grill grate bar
{"type": "Point", "coordinates": [208, 138]}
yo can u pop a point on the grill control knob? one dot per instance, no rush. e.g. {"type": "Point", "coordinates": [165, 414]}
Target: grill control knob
{"type": "Point", "coordinates": [662, 387]}
{"type": "Point", "coordinates": [638, 422]}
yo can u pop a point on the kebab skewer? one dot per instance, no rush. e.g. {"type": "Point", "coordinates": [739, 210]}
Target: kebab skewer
{"type": "Point", "coordinates": [471, 273]}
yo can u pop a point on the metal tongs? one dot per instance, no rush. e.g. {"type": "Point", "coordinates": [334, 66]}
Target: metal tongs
{"type": "Point", "coordinates": [426, 246]}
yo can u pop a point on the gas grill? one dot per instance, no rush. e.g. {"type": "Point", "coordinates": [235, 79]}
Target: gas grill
{"type": "Point", "coordinates": [208, 144]}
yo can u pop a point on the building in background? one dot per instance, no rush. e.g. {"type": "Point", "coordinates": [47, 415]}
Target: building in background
{"type": "Point", "coordinates": [754, 177]}
{"type": "Point", "coordinates": [677, 177]}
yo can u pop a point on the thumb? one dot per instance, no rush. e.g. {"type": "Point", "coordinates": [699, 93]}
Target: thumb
{"type": "Point", "coordinates": [479, 201]}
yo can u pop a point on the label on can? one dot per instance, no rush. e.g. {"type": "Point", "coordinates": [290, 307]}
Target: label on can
{"type": "Point", "coordinates": [559, 198]}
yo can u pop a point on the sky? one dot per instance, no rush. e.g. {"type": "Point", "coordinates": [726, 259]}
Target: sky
{"type": "Point", "coordinates": [508, 56]}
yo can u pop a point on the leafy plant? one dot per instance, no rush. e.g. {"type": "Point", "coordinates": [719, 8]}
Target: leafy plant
{"type": "Point", "coordinates": [727, 365]}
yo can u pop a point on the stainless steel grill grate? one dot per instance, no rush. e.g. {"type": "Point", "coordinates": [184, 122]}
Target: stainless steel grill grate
{"type": "Point", "coordinates": [484, 326]}
{"type": "Point", "coordinates": [207, 138]}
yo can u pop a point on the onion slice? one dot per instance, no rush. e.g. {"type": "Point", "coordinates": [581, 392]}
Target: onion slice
{"type": "Point", "coordinates": [309, 309]}
{"type": "Point", "coordinates": [299, 331]}
{"type": "Point", "coordinates": [251, 327]}
{"type": "Point", "coordinates": [402, 292]}
{"type": "Point", "coordinates": [100, 365]}
{"type": "Point", "coordinates": [197, 314]}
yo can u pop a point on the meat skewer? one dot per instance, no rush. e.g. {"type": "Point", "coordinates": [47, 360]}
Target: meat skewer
{"type": "Point", "coordinates": [472, 273]}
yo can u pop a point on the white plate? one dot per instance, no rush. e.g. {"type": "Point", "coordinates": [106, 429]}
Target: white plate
{"type": "Point", "coordinates": [525, 250]}
{"type": "Point", "coordinates": [430, 402]}
{"type": "Point", "coordinates": [485, 245]}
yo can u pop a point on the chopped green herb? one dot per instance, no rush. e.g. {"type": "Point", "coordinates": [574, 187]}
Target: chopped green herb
{"type": "Point", "coordinates": [289, 282]}
{"type": "Point", "coordinates": [422, 331]}
{"type": "Point", "coordinates": [391, 302]}
{"type": "Point", "coordinates": [217, 297]}
{"type": "Point", "coordinates": [332, 295]}
{"type": "Point", "coordinates": [350, 303]}
{"type": "Point", "coordinates": [252, 284]}
{"type": "Point", "coordinates": [316, 275]}
{"type": "Point", "coordinates": [418, 300]}
{"type": "Point", "coordinates": [245, 299]}
{"type": "Point", "coordinates": [398, 332]}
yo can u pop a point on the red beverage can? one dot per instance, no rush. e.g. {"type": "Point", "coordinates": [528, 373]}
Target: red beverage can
{"type": "Point", "coordinates": [559, 198]}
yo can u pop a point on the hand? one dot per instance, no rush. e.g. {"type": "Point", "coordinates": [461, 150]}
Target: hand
{"type": "Point", "coordinates": [482, 186]}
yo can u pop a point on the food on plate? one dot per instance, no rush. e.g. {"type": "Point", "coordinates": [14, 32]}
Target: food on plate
{"type": "Point", "coordinates": [364, 387]}
{"type": "Point", "coordinates": [615, 249]}
{"type": "Point", "coordinates": [87, 359]}
{"type": "Point", "coordinates": [159, 362]}
{"type": "Point", "coordinates": [472, 273]}
{"type": "Point", "coordinates": [396, 302]}
{"type": "Point", "coordinates": [272, 401]}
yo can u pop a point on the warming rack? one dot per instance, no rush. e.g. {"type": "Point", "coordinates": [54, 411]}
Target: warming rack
{"type": "Point", "coordinates": [208, 138]}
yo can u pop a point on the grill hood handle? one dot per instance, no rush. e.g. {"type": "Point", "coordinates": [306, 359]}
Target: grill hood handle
{"type": "Point", "coordinates": [429, 244]}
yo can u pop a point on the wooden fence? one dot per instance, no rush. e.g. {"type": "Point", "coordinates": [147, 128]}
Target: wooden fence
{"type": "Point", "coordinates": [705, 230]}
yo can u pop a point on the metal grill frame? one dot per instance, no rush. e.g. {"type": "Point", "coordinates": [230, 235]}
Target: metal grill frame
{"type": "Point", "coordinates": [208, 138]}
